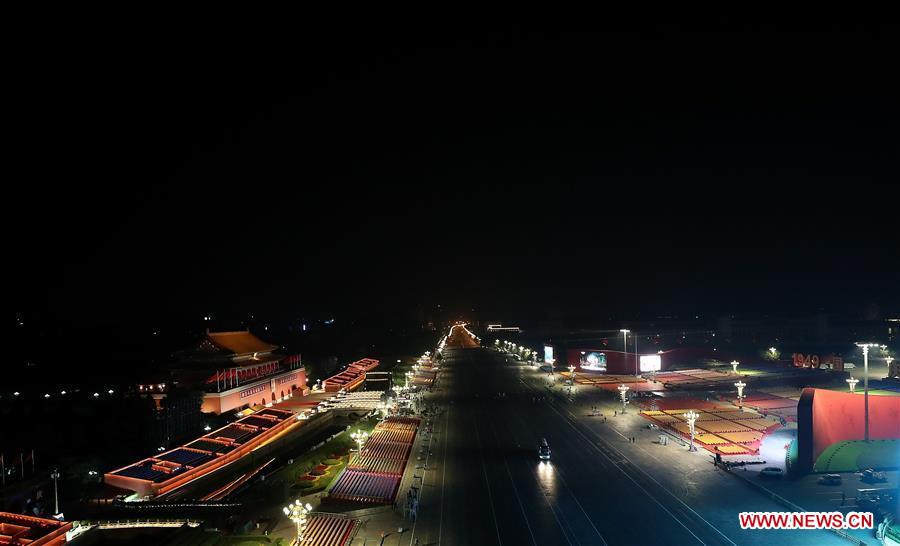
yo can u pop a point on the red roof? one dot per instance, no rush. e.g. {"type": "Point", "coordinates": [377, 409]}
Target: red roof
{"type": "Point", "coordinates": [239, 343]}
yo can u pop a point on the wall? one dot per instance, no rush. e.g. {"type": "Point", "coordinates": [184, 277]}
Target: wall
{"type": "Point", "coordinates": [259, 392]}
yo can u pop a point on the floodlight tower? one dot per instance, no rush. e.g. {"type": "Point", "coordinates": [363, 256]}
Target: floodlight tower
{"type": "Point", "coordinates": [740, 388]}
{"type": "Point", "coordinates": [865, 348]}
{"type": "Point", "coordinates": [691, 418]}
{"type": "Point", "coordinates": [622, 390]}
{"type": "Point", "coordinates": [360, 438]}
{"type": "Point", "coordinates": [298, 512]}
{"type": "Point", "coordinates": [624, 344]}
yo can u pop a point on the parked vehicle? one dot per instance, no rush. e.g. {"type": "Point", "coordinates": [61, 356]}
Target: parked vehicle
{"type": "Point", "coordinates": [830, 479]}
{"type": "Point", "coordinates": [771, 472]}
{"type": "Point", "coordinates": [873, 476]}
{"type": "Point", "coordinates": [544, 450]}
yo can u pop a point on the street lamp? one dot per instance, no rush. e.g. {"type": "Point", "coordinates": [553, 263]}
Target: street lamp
{"type": "Point", "coordinates": [624, 344]}
{"type": "Point", "coordinates": [54, 475]}
{"type": "Point", "coordinates": [298, 512]}
{"type": "Point", "coordinates": [622, 390]}
{"type": "Point", "coordinates": [360, 438]}
{"type": "Point", "coordinates": [734, 365]}
{"type": "Point", "coordinates": [740, 388]}
{"type": "Point", "coordinates": [852, 382]}
{"type": "Point", "coordinates": [691, 418]}
{"type": "Point", "coordinates": [865, 348]}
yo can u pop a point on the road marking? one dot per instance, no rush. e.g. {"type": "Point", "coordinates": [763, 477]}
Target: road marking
{"type": "Point", "coordinates": [553, 509]}
{"type": "Point", "coordinates": [661, 505]}
{"type": "Point", "coordinates": [484, 470]}
{"type": "Point", "coordinates": [444, 474]}
{"type": "Point", "coordinates": [515, 489]}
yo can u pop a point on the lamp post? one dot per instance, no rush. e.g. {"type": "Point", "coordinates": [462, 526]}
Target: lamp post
{"type": "Point", "coordinates": [360, 438]}
{"type": "Point", "coordinates": [298, 512]}
{"type": "Point", "coordinates": [852, 382]}
{"type": "Point", "coordinates": [691, 418]}
{"type": "Point", "coordinates": [740, 388]}
{"type": "Point", "coordinates": [55, 476]}
{"type": "Point", "coordinates": [622, 390]}
{"type": "Point", "coordinates": [865, 348]}
{"type": "Point", "coordinates": [624, 344]}
{"type": "Point", "coordinates": [734, 365]}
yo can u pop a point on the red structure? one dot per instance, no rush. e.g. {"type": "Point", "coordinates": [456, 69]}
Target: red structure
{"type": "Point", "coordinates": [827, 417]}
{"type": "Point", "coordinates": [21, 529]}
{"type": "Point", "coordinates": [167, 471]}
{"type": "Point", "coordinates": [352, 377]}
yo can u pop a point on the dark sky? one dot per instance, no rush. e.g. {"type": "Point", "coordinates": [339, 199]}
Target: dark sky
{"type": "Point", "coordinates": [337, 166]}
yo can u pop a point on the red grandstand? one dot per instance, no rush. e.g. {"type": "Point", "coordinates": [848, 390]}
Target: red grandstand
{"type": "Point", "coordinates": [352, 377]}
{"type": "Point", "coordinates": [21, 529]}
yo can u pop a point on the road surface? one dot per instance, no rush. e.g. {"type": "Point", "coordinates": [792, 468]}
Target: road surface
{"type": "Point", "coordinates": [485, 485]}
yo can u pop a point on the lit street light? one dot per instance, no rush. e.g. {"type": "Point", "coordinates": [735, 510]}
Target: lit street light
{"type": "Point", "coordinates": [360, 438]}
{"type": "Point", "coordinates": [734, 365]}
{"type": "Point", "coordinates": [624, 344]}
{"type": "Point", "coordinates": [740, 388]}
{"type": "Point", "coordinates": [691, 418]}
{"type": "Point", "coordinates": [852, 382]}
{"type": "Point", "coordinates": [622, 390]}
{"type": "Point", "coordinates": [298, 512]}
{"type": "Point", "coordinates": [865, 348]}
{"type": "Point", "coordinates": [55, 477]}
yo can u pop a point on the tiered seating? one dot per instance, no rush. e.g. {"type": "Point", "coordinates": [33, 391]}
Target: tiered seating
{"type": "Point", "coordinates": [374, 464]}
{"type": "Point", "coordinates": [387, 450]}
{"type": "Point", "coordinates": [350, 378]}
{"type": "Point", "coordinates": [186, 457]}
{"type": "Point", "coordinates": [281, 415]}
{"type": "Point", "coordinates": [387, 435]}
{"type": "Point", "coordinates": [362, 400]}
{"type": "Point", "coordinates": [260, 422]}
{"type": "Point", "coordinates": [374, 475]}
{"type": "Point", "coordinates": [234, 433]}
{"type": "Point", "coordinates": [357, 486]}
{"type": "Point", "coordinates": [142, 471]}
{"type": "Point", "coordinates": [164, 466]}
{"type": "Point", "coordinates": [211, 446]}
{"type": "Point", "coordinates": [328, 530]}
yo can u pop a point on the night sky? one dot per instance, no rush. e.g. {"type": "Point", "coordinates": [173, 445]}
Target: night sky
{"type": "Point", "coordinates": [515, 170]}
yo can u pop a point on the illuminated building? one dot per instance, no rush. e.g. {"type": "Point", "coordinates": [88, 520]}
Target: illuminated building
{"type": "Point", "coordinates": [21, 529]}
{"type": "Point", "coordinates": [234, 370]}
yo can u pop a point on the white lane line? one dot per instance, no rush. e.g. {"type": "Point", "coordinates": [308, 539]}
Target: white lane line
{"type": "Point", "coordinates": [571, 493]}
{"type": "Point", "coordinates": [521, 421]}
{"type": "Point", "coordinates": [620, 469]}
{"type": "Point", "coordinates": [643, 489]}
{"type": "Point", "coordinates": [444, 473]}
{"type": "Point", "coordinates": [484, 470]}
{"type": "Point", "coordinates": [515, 489]}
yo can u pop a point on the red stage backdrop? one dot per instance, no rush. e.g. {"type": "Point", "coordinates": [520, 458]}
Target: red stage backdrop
{"type": "Point", "coordinates": [827, 417]}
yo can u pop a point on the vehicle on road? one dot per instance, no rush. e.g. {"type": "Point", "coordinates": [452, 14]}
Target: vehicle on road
{"type": "Point", "coordinates": [873, 476]}
{"type": "Point", "coordinates": [830, 479]}
{"type": "Point", "coordinates": [544, 450]}
{"type": "Point", "coordinates": [771, 472]}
